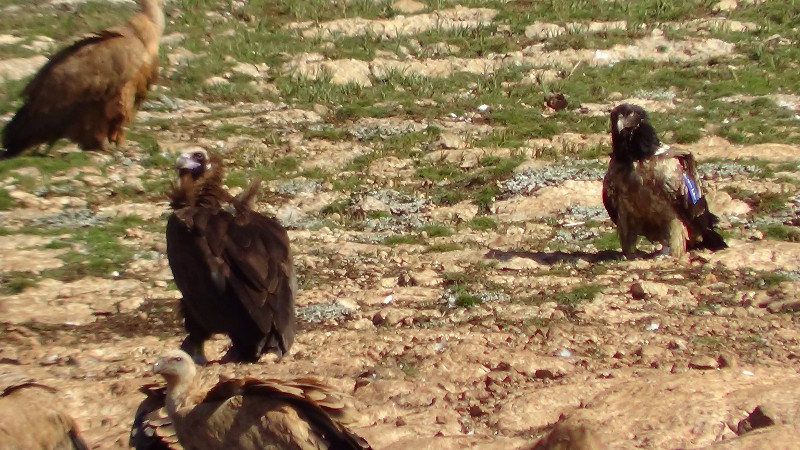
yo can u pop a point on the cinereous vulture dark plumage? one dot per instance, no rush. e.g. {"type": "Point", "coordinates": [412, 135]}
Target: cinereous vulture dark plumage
{"type": "Point", "coordinates": [232, 264]}
{"type": "Point", "coordinates": [653, 190]}
{"type": "Point", "coordinates": [252, 414]}
{"type": "Point", "coordinates": [33, 417]}
{"type": "Point", "coordinates": [89, 91]}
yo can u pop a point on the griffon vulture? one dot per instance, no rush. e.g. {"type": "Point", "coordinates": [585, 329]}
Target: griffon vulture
{"type": "Point", "coordinates": [653, 190]}
{"type": "Point", "coordinates": [232, 265]}
{"type": "Point", "coordinates": [89, 91]}
{"type": "Point", "coordinates": [32, 417]}
{"type": "Point", "coordinates": [250, 414]}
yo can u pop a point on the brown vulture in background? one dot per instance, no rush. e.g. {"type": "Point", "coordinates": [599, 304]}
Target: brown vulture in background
{"type": "Point", "coordinates": [232, 265]}
{"type": "Point", "coordinates": [32, 417]}
{"type": "Point", "coordinates": [653, 190]}
{"type": "Point", "coordinates": [250, 414]}
{"type": "Point", "coordinates": [89, 91]}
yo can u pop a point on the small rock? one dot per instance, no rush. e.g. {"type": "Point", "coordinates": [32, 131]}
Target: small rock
{"type": "Point", "coordinates": [408, 6]}
{"type": "Point", "coordinates": [451, 141]}
{"type": "Point", "coordinates": [760, 417]}
{"type": "Point", "coordinates": [703, 362]}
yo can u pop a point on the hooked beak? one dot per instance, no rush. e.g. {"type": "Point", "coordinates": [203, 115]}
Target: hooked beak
{"type": "Point", "coordinates": [158, 367]}
{"type": "Point", "coordinates": [185, 162]}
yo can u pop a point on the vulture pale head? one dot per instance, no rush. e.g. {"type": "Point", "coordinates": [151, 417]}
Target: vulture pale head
{"type": "Point", "coordinates": [193, 162]}
{"type": "Point", "coordinates": [176, 367]}
{"type": "Point", "coordinates": [632, 136]}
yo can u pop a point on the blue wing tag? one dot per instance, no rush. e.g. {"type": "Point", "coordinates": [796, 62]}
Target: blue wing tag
{"type": "Point", "coordinates": [691, 188]}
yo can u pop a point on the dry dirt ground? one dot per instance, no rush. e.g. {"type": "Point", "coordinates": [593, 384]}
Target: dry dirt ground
{"type": "Point", "coordinates": [461, 323]}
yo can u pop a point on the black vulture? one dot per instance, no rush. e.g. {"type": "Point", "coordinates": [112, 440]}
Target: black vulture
{"type": "Point", "coordinates": [232, 265]}
{"type": "Point", "coordinates": [653, 190]}
{"type": "Point", "coordinates": [89, 91]}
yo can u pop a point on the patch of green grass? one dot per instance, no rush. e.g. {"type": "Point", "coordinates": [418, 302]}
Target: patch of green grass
{"type": "Point", "coordinates": [326, 132]}
{"type": "Point", "coordinates": [6, 201]}
{"type": "Point", "coordinates": [375, 214]}
{"type": "Point", "coordinates": [607, 241]}
{"type": "Point", "coordinates": [453, 184]}
{"type": "Point", "coordinates": [467, 300]}
{"type": "Point", "coordinates": [709, 341]}
{"type": "Point", "coordinates": [47, 165]}
{"type": "Point", "coordinates": [403, 239]}
{"type": "Point", "coordinates": [482, 223]}
{"type": "Point", "coordinates": [95, 251]}
{"type": "Point", "coordinates": [337, 207]}
{"type": "Point", "coordinates": [435, 230]}
{"type": "Point", "coordinates": [578, 294]}
{"type": "Point", "coordinates": [780, 232]}
{"type": "Point", "coordinates": [14, 283]}
{"type": "Point", "coordinates": [764, 280]}
{"type": "Point", "coordinates": [443, 247]}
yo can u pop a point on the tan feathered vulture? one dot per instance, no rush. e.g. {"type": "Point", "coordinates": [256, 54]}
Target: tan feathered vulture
{"type": "Point", "coordinates": [250, 414]}
{"type": "Point", "coordinates": [89, 91]}
{"type": "Point", "coordinates": [653, 190]}
{"type": "Point", "coordinates": [232, 264]}
{"type": "Point", "coordinates": [33, 418]}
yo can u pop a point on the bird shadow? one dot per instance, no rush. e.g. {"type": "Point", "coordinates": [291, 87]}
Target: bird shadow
{"type": "Point", "coordinates": [558, 256]}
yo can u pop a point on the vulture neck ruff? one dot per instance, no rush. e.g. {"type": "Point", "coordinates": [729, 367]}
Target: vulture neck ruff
{"type": "Point", "coordinates": [195, 190]}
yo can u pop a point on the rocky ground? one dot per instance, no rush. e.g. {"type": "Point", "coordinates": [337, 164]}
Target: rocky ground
{"type": "Point", "coordinates": [459, 275]}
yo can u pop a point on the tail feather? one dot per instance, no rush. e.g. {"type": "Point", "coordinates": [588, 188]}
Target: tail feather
{"type": "Point", "coordinates": [711, 239]}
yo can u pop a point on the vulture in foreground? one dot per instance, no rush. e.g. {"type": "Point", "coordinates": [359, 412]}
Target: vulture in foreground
{"type": "Point", "coordinates": [250, 414]}
{"type": "Point", "coordinates": [88, 92]}
{"type": "Point", "coordinates": [232, 265]}
{"type": "Point", "coordinates": [653, 190]}
{"type": "Point", "coordinates": [32, 417]}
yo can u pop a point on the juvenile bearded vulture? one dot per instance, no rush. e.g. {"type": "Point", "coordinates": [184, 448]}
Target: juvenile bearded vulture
{"type": "Point", "coordinates": [653, 190]}
{"type": "Point", "coordinates": [232, 265]}
{"type": "Point", "coordinates": [250, 414]}
{"type": "Point", "coordinates": [89, 91]}
{"type": "Point", "coordinates": [32, 417]}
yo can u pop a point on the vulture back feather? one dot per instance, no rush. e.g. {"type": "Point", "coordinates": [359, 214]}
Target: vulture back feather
{"type": "Point", "coordinates": [89, 91]}
{"type": "Point", "coordinates": [232, 264]}
{"type": "Point", "coordinates": [249, 413]}
{"type": "Point", "coordinates": [32, 417]}
{"type": "Point", "coordinates": [152, 428]}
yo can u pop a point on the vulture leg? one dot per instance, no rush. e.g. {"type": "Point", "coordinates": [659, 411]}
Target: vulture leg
{"type": "Point", "coordinates": [196, 349]}
{"type": "Point", "coordinates": [194, 344]}
{"type": "Point", "coordinates": [245, 348]}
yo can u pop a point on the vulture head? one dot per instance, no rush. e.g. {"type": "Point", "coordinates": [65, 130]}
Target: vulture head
{"type": "Point", "coordinates": [194, 163]}
{"type": "Point", "coordinates": [177, 368]}
{"type": "Point", "coordinates": [632, 136]}
{"type": "Point", "coordinates": [198, 171]}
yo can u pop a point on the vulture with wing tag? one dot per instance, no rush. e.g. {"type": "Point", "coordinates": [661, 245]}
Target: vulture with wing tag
{"type": "Point", "coordinates": [32, 417]}
{"type": "Point", "coordinates": [250, 414]}
{"type": "Point", "coordinates": [88, 92]}
{"type": "Point", "coordinates": [232, 264]}
{"type": "Point", "coordinates": [653, 190]}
